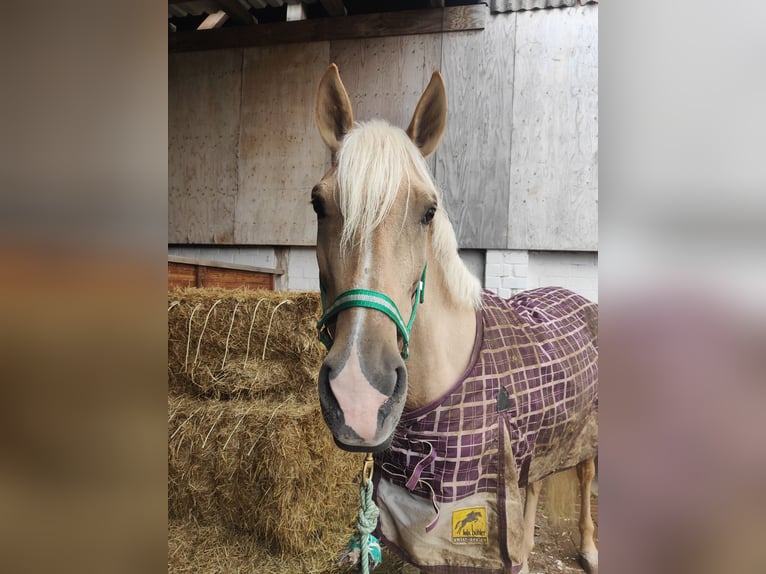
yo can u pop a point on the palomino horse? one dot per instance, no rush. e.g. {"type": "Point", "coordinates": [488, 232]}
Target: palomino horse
{"type": "Point", "coordinates": [495, 394]}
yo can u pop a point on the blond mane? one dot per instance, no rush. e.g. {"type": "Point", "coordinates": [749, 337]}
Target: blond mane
{"type": "Point", "coordinates": [373, 160]}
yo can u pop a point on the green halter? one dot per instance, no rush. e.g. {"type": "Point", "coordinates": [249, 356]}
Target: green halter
{"type": "Point", "coordinates": [371, 300]}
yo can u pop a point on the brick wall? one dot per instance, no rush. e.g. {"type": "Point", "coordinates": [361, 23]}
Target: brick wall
{"type": "Point", "coordinates": [505, 272]}
{"type": "Point", "coordinates": [302, 270]}
{"type": "Point", "coordinates": [508, 272]}
{"type": "Point", "coordinates": [577, 271]}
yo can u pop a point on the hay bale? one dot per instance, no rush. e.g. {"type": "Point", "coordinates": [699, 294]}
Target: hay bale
{"type": "Point", "coordinates": [242, 344]}
{"type": "Point", "coordinates": [249, 456]}
{"type": "Point", "coordinates": [265, 467]}
{"type": "Point", "coordinates": [211, 549]}
{"type": "Point", "coordinates": [195, 548]}
{"type": "Point", "coordinates": [259, 380]}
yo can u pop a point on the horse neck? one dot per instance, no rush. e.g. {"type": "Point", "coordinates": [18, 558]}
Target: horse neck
{"type": "Point", "coordinates": [441, 342]}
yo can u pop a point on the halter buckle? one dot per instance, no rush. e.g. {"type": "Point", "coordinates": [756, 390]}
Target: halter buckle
{"type": "Point", "coordinates": [369, 465]}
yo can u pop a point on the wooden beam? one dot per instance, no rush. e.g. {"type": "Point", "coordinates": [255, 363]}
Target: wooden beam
{"type": "Point", "coordinates": [406, 22]}
{"type": "Point", "coordinates": [295, 12]}
{"type": "Point", "coordinates": [236, 11]}
{"type": "Point", "coordinates": [222, 265]}
{"type": "Point", "coordinates": [334, 7]}
{"type": "Point", "coordinates": [214, 21]}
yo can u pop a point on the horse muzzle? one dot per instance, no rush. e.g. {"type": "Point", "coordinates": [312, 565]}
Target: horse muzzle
{"type": "Point", "coordinates": [362, 404]}
{"type": "Point", "coordinates": [363, 381]}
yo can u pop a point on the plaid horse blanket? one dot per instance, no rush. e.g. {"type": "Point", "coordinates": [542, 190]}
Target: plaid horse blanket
{"type": "Point", "coordinates": [526, 407]}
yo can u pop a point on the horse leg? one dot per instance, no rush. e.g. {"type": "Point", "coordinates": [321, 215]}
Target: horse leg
{"type": "Point", "coordinates": [530, 511]}
{"type": "Point", "coordinates": [586, 470]}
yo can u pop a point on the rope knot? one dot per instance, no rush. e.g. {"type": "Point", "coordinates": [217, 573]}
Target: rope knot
{"type": "Point", "coordinates": [363, 547]}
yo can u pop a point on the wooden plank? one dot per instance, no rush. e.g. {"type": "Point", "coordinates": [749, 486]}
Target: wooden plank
{"type": "Point", "coordinates": [554, 151]}
{"type": "Point", "coordinates": [406, 22]}
{"type": "Point", "coordinates": [281, 155]}
{"type": "Point", "coordinates": [385, 77]}
{"type": "Point", "coordinates": [472, 162]}
{"type": "Point", "coordinates": [203, 135]}
{"type": "Point", "coordinates": [295, 12]}
{"type": "Point", "coordinates": [221, 264]}
{"type": "Point", "coordinates": [213, 21]}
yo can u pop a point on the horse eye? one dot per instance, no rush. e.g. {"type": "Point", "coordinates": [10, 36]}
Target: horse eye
{"type": "Point", "coordinates": [428, 215]}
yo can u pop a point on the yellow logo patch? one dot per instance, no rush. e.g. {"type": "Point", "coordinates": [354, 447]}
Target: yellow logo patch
{"type": "Point", "coordinates": [469, 526]}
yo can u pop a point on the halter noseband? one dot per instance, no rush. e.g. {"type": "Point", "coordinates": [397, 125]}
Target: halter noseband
{"type": "Point", "coordinates": [371, 300]}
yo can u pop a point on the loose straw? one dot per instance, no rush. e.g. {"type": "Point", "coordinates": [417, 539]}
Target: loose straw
{"type": "Point", "coordinates": [188, 337]}
{"type": "Point", "coordinates": [226, 350]}
{"type": "Point", "coordinates": [250, 332]}
{"type": "Point", "coordinates": [266, 340]}
{"type": "Point", "coordinates": [266, 426]}
{"type": "Point", "coordinates": [220, 414]}
{"type": "Point", "coordinates": [236, 426]}
{"type": "Point", "coordinates": [183, 423]}
{"type": "Point", "coordinates": [204, 326]}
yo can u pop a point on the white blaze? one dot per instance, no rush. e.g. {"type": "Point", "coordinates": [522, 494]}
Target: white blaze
{"type": "Point", "coordinates": [357, 398]}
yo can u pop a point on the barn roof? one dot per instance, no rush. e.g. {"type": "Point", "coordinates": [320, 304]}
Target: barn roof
{"type": "Point", "coordinates": [520, 5]}
{"type": "Point", "coordinates": [210, 24]}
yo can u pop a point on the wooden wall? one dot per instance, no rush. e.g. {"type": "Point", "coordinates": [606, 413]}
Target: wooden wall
{"type": "Point", "coordinates": [472, 166]}
{"type": "Point", "coordinates": [203, 143]}
{"type": "Point", "coordinates": [518, 164]}
{"type": "Point", "coordinates": [281, 155]}
{"type": "Point", "coordinates": [197, 275]}
{"type": "Point", "coordinates": [554, 145]}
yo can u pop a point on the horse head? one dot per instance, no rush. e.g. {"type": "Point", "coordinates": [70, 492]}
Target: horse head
{"type": "Point", "coordinates": [375, 210]}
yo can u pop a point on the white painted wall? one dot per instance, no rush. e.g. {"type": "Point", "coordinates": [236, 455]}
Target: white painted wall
{"type": "Point", "coordinates": [475, 260]}
{"type": "Point", "coordinates": [577, 271]}
{"type": "Point", "coordinates": [302, 270]}
{"type": "Point", "coordinates": [255, 256]}
{"type": "Point", "coordinates": [511, 271]}
{"type": "Point", "coordinates": [505, 272]}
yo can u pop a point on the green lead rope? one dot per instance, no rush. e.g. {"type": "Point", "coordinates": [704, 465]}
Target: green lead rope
{"type": "Point", "coordinates": [372, 300]}
{"type": "Point", "coordinates": [363, 547]}
{"type": "Point", "coordinates": [366, 522]}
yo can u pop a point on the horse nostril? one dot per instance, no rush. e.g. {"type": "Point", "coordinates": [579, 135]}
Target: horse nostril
{"type": "Point", "coordinates": [400, 389]}
{"type": "Point", "coordinates": [331, 410]}
{"type": "Point", "coordinates": [324, 377]}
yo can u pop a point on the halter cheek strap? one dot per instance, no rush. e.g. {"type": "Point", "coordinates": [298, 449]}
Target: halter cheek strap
{"type": "Point", "coordinates": [371, 300]}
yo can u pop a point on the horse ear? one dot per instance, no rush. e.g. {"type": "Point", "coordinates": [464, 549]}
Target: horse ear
{"type": "Point", "coordinates": [430, 118]}
{"type": "Point", "coordinates": [333, 109]}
